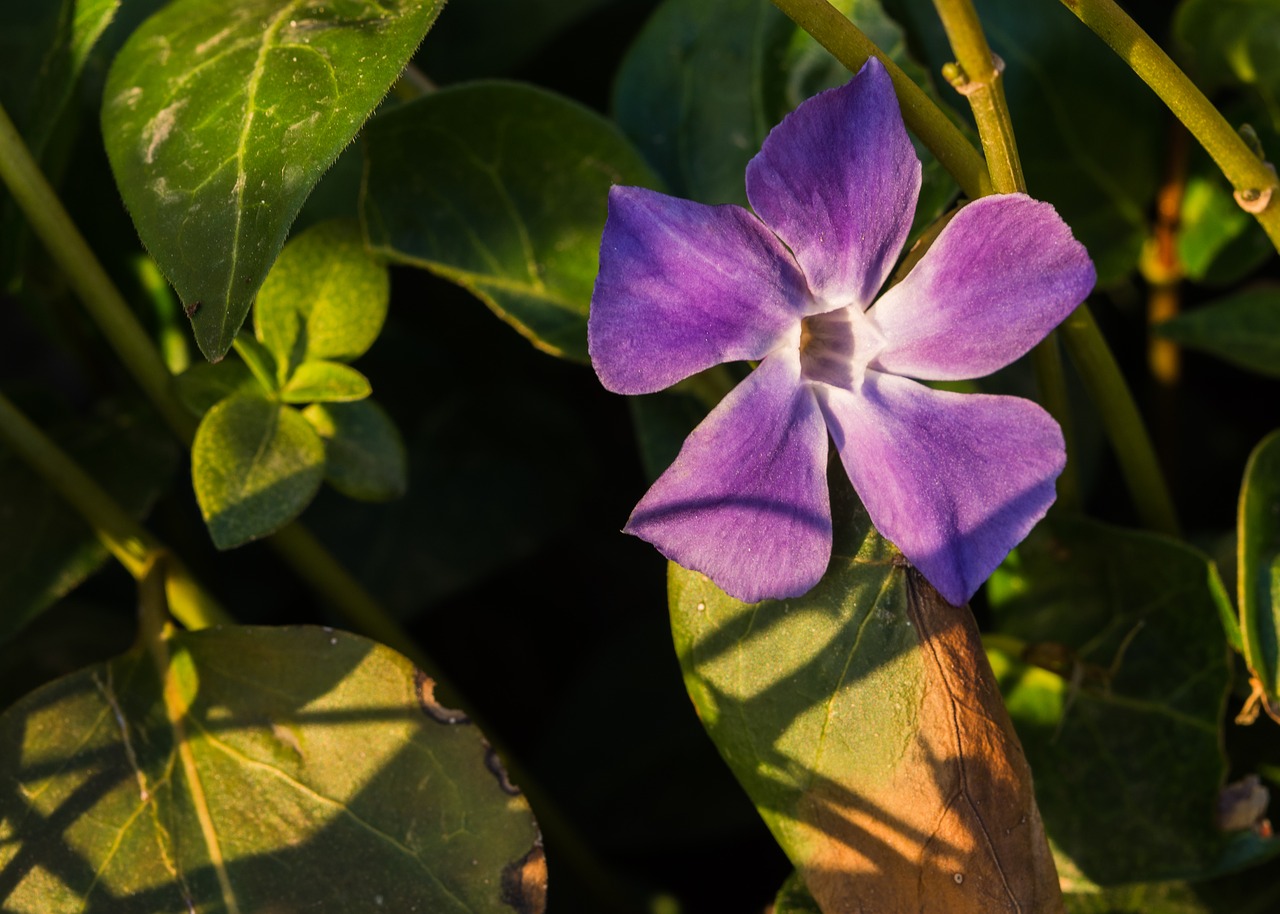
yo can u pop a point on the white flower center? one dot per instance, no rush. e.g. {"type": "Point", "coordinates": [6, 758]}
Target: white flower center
{"type": "Point", "coordinates": [836, 347]}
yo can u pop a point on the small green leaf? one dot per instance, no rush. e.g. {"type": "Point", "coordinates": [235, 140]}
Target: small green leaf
{"type": "Point", "coordinates": [1243, 329]}
{"type": "Point", "coordinates": [1259, 579]}
{"type": "Point", "coordinates": [289, 769]}
{"type": "Point", "coordinates": [794, 898]}
{"type": "Point", "coordinates": [364, 455]}
{"type": "Point", "coordinates": [259, 360]}
{"type": "Point", "coordinates": [255, 465]}
{"type": "Point", "coordinates": [219, 119]}
{"type": "Point", "coordinates": [1129, 673]}
{"type": "Point", "coordinates": [1233, 43]}
{"type": "Point", "coordinates": [325, 298]}
{"type": "Point", "coordinates": [204, 384]}
{"type": "Point", "coordinates": [1218, 242]}
{"type": "Point", "coordinates": [453, 187]}
{"type": "Point", "coordinates": [325, 382]}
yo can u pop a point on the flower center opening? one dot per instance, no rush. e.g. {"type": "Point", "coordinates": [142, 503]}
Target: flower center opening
{"type": "Point", "coordinates": [836, 347]}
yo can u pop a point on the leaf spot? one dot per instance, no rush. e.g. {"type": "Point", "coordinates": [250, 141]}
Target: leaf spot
{"type": "Point", "coordinates": [494, 764]}
{"type": "Point", "coordinates": [159, 128]}
{"type": "Point", "coordinates": [524, 882]}
{"type": "Point", "coordinates": [425, 686]}
{"type": "Point", "coordinates": [959, 878]}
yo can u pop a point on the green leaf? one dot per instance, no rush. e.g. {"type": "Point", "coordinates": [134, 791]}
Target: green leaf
{"type": "Point", "coordinates": [794, 898]}
{"type": "Point", "coordinates": [1259, 580]}
{"type": "Point", "coordinates": [1243, 329]}
{"type": "Point", "coordinates": [291, 769]}
{"type": "Point", "coordinates": [220, 118]}
{"type": "Point", "coordinates": [325, 382]}
{"type": "Point", "coordinates": [1218, 242]}
{"type": "Point", "coordinates": [502, 189]}
{"type": "Point", "coordinates": [364, 455]}
{"type": "Point", "coordinates": [707, 79]}
{"type": "Point", "coordinates": [204, 384]}
{"type": "Point", "coordinates": [869, 732]}
{"type": "Point", "coordinates": [1233, 42]}
{"type": "Point", "coordinates": [46, 548]}
{"type": "Point", "coordinates": [1121, 715]}
{"type": "Point", "coordinates": [43, 49]}
{"type": "Point", "coordinates": [325, 298]}
{"type": "Point", "coordinates": [255, 465]}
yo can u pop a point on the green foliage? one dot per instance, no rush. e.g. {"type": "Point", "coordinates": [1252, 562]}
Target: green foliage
{"type": "Point", "coordinates": [363, 455]}
{"type": "Point", "coordinates": [220, 119]}
{"type": "Point", "coordinates": [262, 769]}
{"type": "Point", "coordinates": [451, 188]}
{"type": "Point", "coordinates": [1243, 328]}
{"type": "Point", "coordinates": [1259, 550]}
{"type": "Point", "coordinates": [325, 382]}
{"type": "Point", "coordinates": [1233, 42]}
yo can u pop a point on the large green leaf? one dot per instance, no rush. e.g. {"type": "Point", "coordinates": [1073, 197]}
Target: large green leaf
{"type": "Point", "coordinates": [1243, 328]}
{"type": "Point", "coordinates": [46, 548]}
{"type": "Point", "coordinates": [219, 118]}
{"type": "Point", "coordinates": [1118, 691]}
{"type": "Point", "coordinates": [1259, 578]}
{"type": "Point", "coordinates": [708, 79]}
{"type": "Point", "coordinates": [502, 189]}
{"type": "Point", "coordinates": [255, 464]}
{"type": "Point", "coordinates": [295, 769]}
{"type": "Point", "coordinates": [865, 725]}
{"type": "Point", "coordinates": [1233, 42]}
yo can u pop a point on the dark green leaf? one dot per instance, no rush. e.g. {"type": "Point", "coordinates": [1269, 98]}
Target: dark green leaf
{"type": "Point", "coordinates": [294, 769]}
{"type": "Point", "coordinates": [220, 119]}
{"type": "Point", "coordinates": [204, 384]}
{"type": "Point", "coordinates": [364, 455]}
{"type": "Point", "coordinates": [1218, 242]}
{"type": "Point", "coordinates": [255, 465]}
{"type": "Point", "coordinates": [46, 549]}
{"type": "Point", "coordinates": [502, 189]}
{"type": "Point", "coordinates": [325, 298]}
{"type": "Point", "coordinates": [1233, 42]}
{"type": "Point", "coordinates": [1260, 565]}
{"type": "Point", "coordinates": [1121, 717]}
{"type": "Point", "coordinates": [794, 898]}
{"type": "Point", "coordinates": [1244, 329]}
{"type": "Point", "coordinates": [865, 725]}
{"type": "Point", "coordinates": [325, 382]}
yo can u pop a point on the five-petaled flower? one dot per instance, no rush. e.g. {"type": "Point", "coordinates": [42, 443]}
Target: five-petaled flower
{"type": "Point", "coordinates": [954, 480]}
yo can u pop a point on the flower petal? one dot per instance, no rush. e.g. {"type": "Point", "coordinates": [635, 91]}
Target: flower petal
{"type": "Point", "coordinates": [1003, 273]}
{"type": "Point", "coordinates": [954, 480]}
{"type": "Point", "coordinates": [746, 500]}
{"type": "Point", "coordinates": [838, 181]}
{"type": "Point", "coordinates": [684, 286]}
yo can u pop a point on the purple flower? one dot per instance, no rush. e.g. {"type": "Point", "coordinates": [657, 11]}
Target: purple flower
{"type": "Point", "coordinates": [954, 480]}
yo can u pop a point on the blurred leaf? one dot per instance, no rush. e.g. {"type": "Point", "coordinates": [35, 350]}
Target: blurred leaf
{"type": "Point", "coordinates": [662, 421]}
{"type": "Point", "coordinates": [863, 721]}
{"type": "Point", "coordinates": [501, 188]}
{"type": "Point", "coordinates": [364, 455]}
{"type": "Point", "coordinates": [325, 382]}
{"type": "Point", "coordinates": [274, 770]}
{"type": "Point", "coordinates": [204, 384]}
{"type": "Point", "coordinates": [46, 549]}
{"type": "Point", "coordinates": [1259, 582]}
{"type": "Point", "coordinates": [43, 49]}
{"type": "Point", "coordinates": [255, 465]}
{"type": "Point", "coordinates": [1120, 716]}
{"type": "Point", "coordinates": [1218, 242]}
{"type": "Point", "coordinates": [1148, 898]}
{"type": "Point", "coordinates": [219, 119]}
{"type": "Point", "coordinates": [794, 898]}
{"type": "Point", "coordinates": [325, 298]}
{"type": "Point", "coordinates": [1233, 42]}
{"type": "Point", "coordinates": [1243, 329]}
{"type": "Point", "coordinates": [707, 80]}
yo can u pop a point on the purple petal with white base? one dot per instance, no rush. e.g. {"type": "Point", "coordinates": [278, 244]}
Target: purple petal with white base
{"type": "Point", "coordinates": [838, 181]}
{"type": "Point", "coordinates": [682, 287]}
{"type": "Point", "coordinates": [746, 500]}
{"type": "Point", "coordinates": [1003, 273]}
{"type": "Point", "coordinates": [954, 480]}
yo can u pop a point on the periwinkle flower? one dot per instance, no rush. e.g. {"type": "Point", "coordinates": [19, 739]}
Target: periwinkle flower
{"type": "Point", "coordinates": [954, 480]}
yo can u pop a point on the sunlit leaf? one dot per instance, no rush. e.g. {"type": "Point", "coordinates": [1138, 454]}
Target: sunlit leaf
{"type": "Point", "coordinates": [865, 724]}
{"type": "Point", "coordinates": [325, 298]}
{"type": "Point", "coordinates": [1218, 242]}
{"type": "Point", "coordinates": [1259, 579]}
{"type": "Point", "coordinates": [46, 548]}
{"type": "Point", "coordinates": [325, 382]}
{"type": "Point", "coordinates": [294, 769]}
{"type": "Point", "coordinates": [1118, 695]}
{"type": "Point", "coordinates": [220, 118]}
{"type": "Point", "coordinates": [1243, 329]}
{"type": "Point", "coordinates": [453, 187]}
{"type": "Point", "coordinates": [364, 454]}
{"type": "Point", "coordinates": [255, 465]}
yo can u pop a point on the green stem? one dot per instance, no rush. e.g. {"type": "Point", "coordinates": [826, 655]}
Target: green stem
{"type": "Point", "coordinates": [1252, 179]}
{"type": "Point", "coordinates": [1123, 422]}
{"type": "Point", "coordinates": [124, 537]}
{"type": "Point", "coordinates": [851, 47]}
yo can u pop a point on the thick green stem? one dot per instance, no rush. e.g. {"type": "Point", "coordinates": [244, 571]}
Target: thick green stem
{"type": "Point", "coordinates": [1252, 179]}
{"type": "Point", "coordinates": [851, 47]}
{"type": "Point", "coordinates": [124, 537]}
